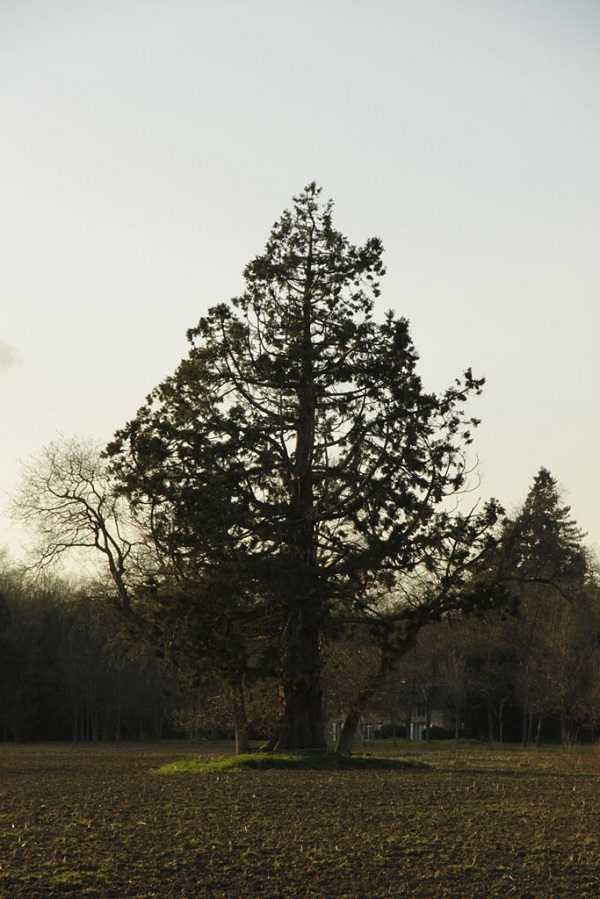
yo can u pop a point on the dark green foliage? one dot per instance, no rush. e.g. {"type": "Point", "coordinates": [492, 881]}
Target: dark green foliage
{"type": "Point", "coordinates": [292, 473]}
{"type": "Point", "coordinates": [542, 544]}
{"type": "Point", "coordinates": [532, 672]}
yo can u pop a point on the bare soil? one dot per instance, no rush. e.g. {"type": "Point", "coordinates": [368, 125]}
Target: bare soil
{"type": "Point", "coordinates": [98, 821]}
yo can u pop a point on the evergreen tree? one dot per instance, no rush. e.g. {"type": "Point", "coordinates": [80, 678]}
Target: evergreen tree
{"type": "Point", "coordinates": [293, 469]}
{"type": "Point", "coordinates": [542, 543]}
{"type": "Point", "coordinates": [544, 559]}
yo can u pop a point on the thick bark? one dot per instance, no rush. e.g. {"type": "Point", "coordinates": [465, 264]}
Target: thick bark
{"type": "Point", "coordinates": [301, 725]}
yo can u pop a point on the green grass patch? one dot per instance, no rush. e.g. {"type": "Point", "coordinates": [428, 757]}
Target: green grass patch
{"type": "Point", "coordinates": [292, 761]}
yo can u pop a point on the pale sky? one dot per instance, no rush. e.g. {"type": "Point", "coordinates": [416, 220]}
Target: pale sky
{"type": "Point", "coordinates": [147, 148]}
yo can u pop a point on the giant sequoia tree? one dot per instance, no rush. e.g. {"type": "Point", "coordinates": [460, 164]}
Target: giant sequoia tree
{"type": "Point", "coordinates": [294, 475]}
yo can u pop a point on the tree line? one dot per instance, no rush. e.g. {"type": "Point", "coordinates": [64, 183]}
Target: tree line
{"type": "Point", "coordinates": [65, 672]}
{"type": "Point", "coordinates": [68, 671]}
{"type": "Point", "coordinates": [530, 673]}
{"type": "Point", "coordinates": [293, 488]}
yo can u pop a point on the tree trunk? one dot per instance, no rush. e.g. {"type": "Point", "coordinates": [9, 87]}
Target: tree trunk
{"type": "Point", "coordinates": [428, 717]}
{"type": "Point", "coordinates": [408, 713]}
{"type": "Point", "coordinates": [348, 731]}
{"type": "Point", "coordinates": [527, 727]}
{"type": "Point", "coordinates": [564, 728]}
{"type": "Point", "coordinates": [301, 724]}
{"type": "Point", "coordinates": [499, 717]}
{"type": "Point", "coordinates": [538, 732]}
{"type": "Point", "coordinates": [457, 716]}
{"type": "Point", "coordinates": [240, 720]}
{"type": "Point", "coordinates": [490, 722]}
{"type": "Point", "coordinates": [501, 720]}
{"type": "Point", "coordinates": [357, 708]}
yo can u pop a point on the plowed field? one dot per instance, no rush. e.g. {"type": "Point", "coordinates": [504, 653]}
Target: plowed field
{"type": "Point", "coordinates": [100, 822]}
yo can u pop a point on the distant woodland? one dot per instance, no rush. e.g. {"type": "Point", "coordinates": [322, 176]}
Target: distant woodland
{"type": "Point", "coordinates": [69, 672]}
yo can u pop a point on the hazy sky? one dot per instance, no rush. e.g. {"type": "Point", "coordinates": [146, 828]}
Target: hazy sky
{"type": "Point", "coordinates": [148, 147]}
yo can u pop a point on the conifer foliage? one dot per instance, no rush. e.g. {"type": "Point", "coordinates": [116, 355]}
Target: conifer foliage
{"type": "Point", "coordinates": [293, 474]}
{"type": "Point", "coordinates": [542, 544]}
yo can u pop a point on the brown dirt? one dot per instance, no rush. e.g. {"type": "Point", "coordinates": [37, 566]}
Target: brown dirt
{"type": "Point", "coordinates": [99, 822]}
